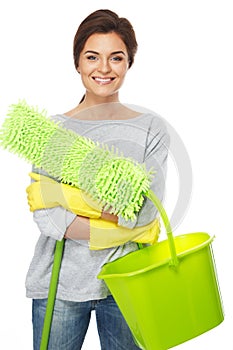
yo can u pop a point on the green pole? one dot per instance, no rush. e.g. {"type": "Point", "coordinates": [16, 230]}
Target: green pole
{"type": "Point", "coordinates": [52, 294]}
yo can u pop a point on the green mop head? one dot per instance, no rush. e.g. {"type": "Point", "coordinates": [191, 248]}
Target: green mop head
{"type": "Point", "coordinates": [114, 181]}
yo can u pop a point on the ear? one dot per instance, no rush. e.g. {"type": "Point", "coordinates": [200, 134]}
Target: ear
{"type": "Point", "coordinates": [78, 70]}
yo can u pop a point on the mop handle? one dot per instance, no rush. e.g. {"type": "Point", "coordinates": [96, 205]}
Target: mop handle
{"type": "Point", "coordinates": [52, 294]}
{"type": "Point", "coordinates": [151, 195]}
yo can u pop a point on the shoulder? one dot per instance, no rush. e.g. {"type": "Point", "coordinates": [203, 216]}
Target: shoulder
{"type": "Point", "coordinates": [58, 118]}
{"type": "Point", "coordinates": [157, 128]}
{"type": "Point", "coordinates": [147, 116]}
{"type": "Point", "coordinates": [153, 121]}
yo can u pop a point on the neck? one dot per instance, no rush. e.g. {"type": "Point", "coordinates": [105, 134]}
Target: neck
{"type": "Point", "coordinates": [93, 100]}
{"type": "Point", "coordinates": [101, 104]}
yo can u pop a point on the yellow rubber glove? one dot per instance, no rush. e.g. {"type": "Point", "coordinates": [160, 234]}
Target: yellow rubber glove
{"type": "Point", "coordinates": [106, 234]}
{"type": "Point", "coordinates": [48, 193]}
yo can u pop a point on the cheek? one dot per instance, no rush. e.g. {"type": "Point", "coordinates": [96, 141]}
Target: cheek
{"type": "Point", "coordinates": [85, 67]}
{"type": "Point", "coordinates": [121, 70]}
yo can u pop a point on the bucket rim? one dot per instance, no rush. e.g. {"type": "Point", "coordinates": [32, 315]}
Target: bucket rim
{"type": "Point", "coordinates": [167, 261]}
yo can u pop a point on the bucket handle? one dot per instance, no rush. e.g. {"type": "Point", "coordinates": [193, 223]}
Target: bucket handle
{"type": "Point", "coordinates": [174, 259]}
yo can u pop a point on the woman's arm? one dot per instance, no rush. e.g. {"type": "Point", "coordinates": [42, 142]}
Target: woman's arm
{"type": "Point", "coordinates": [101, 233]}
{"type": "Point", "coordinates": [80, 227]}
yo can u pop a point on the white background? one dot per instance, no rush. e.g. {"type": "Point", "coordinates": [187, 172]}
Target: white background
{"type": "Point", "coordinates": [183, 71]}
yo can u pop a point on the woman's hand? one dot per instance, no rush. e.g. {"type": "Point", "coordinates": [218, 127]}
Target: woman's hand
{"type": "Point", "coordinates": [45, 192]}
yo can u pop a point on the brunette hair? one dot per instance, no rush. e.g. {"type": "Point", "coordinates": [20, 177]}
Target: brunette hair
{"type": "Point", "coordinates": [105, 21]}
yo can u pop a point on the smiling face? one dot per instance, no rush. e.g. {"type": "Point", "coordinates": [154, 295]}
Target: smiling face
{"type": "Point", "coordinates": [103, 65]}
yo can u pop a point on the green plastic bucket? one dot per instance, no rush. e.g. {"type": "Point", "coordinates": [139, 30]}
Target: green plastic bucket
{"type": "Point", "coordinates": [168, 293]}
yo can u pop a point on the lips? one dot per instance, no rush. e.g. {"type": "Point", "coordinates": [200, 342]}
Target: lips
{"type": "Point", "coordinates": [103, 81]}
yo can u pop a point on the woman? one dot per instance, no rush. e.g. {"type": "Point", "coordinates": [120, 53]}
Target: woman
{"type": "Point", "coordinates": [104, 50]}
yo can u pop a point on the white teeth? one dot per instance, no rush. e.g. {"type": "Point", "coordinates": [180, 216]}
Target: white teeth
{"type": "Point", "coordinates": [103, 80]}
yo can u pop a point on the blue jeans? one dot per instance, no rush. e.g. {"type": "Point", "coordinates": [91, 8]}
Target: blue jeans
{"type": "Point", "coordinates": [71, 320]}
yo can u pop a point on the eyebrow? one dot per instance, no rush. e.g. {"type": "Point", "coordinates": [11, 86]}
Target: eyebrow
{"type": "Point", "coordinates": [97, 53]}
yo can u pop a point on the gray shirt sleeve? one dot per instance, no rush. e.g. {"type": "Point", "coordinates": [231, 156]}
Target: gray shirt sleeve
{"type": "Point", "coordinates": [156, 152]}
{"type": "Point", "coordinates": [52, 222]}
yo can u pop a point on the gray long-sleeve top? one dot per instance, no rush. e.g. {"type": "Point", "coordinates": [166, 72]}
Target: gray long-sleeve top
{"type": "Point", "coordinates": [143, 138]}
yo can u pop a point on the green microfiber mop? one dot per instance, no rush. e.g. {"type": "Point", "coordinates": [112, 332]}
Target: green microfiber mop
{"type": "Point", "coordinates": [116, 182]}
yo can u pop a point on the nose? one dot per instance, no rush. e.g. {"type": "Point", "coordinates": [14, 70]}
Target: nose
{"type": "Point", "coordinates": [104, 66]}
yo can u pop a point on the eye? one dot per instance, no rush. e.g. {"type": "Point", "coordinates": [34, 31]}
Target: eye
{"type": "Point", "coordinates": [116, 58]}
{"type": "Point", "coordinates": [92, 58]}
